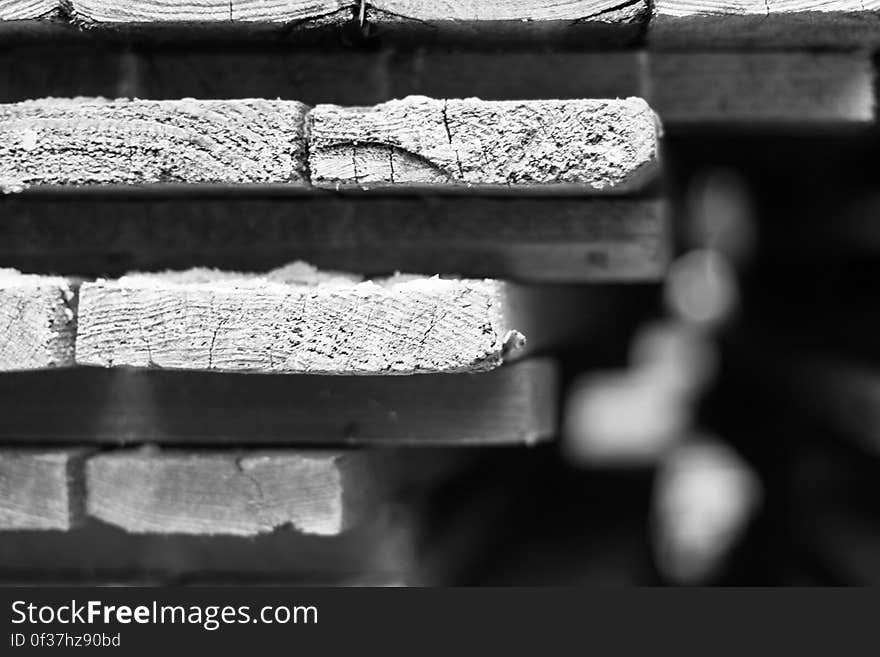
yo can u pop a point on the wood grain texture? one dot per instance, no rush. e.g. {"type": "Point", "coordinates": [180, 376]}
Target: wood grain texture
{"type": "Point", "coordinates": [41, 489]}
{"type": "Point", "coordinates": [237, 494]}
{"type": "Point", "coordinates": [295, 319]}
{"type": "Point", "coordinates": [36, 320]}
{"type": "Point", "coordinates": [594, 22]}
{"type": "Point", "coordinates": [782, 88]}
{"type": "Point", "coordinates": [765, 23]}
{"type": "Point", "coordinates": [156, 11]}
{"type": "Point", "coordinates": [546, 239]}
{"type": "Point", "coordinates": [514, 404]}
{"type": "Point", "coordinates": [597, 145]}
{"type": "Point", "coordinates": [18, 10]}
{"type": "Point", "coordinates": [98, 141]}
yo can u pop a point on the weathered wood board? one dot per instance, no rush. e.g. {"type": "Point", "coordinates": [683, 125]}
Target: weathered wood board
{"type": "Point", "coordinates": [761, 88]}
{"type": "Point", "coordinates": [37, 321]}
{"type": "Point", "coordinates": [586, 23]}
{"type": "Point", "coordinates": [515, 404]}
{"type": "Point", "coordinates": [20, 10]}
{"type": "Point", "coordinates": [296, 319]}
{"type": "Point", "coordinates": [97, 141]}
{"type": "Point", "coordinates": [41, 489]}
{"type": "Point", "coordinates": [770, 24]}
{"type": "Point", "coordinates": [237, 494]}
{"type": "Point", "coordinates": [580, 145]}
{"type": "Point", "coordinates": [205, 11]}
{"type": "Point", "coordinates": [595, 145]}
{"type": "Point", "coordinates": [575, 23]}
{"type": "Point", "coordinates": [547, 239]}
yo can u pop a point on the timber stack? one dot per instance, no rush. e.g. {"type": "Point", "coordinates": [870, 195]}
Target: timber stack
{"type": "Point", "coordinates": [275, 275]}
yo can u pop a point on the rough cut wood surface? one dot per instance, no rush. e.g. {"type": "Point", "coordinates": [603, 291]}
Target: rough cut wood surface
{"type": "Point", "coordinates": [547, 239]}
{"type": "Point", "coordinates": [765, 23]}
{"type": "Point", "coordinates": [240, 494]}
{"type": "Point", "coordinates": [750, 88]}
{"type": "Point", "coordinates": [147, 11]}
{"type": "Point", "coordinates": [594, 22]}
{"type": "Point", "coordinates": [84, 141]}
{"type": "Point", "coordinates": [36, 321]}
{"type": "Point", "coordinates": [513, 404]}
{"type": "Point", "coordinates": [498, 10]}
{"type": "Point", "coordinates": [14, 10]}
{"type": "Point", "coordinates": [600, 145]}
{"type": "Point", "coordinates": [295, 319]}
{"type": "Point", "coordinates": [40, 488]}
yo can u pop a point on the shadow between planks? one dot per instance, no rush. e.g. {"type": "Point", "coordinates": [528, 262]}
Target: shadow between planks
{"type": "Point", "coordinates": [514, 404]}
{"type": "Point", "coordinates": [96, 232]}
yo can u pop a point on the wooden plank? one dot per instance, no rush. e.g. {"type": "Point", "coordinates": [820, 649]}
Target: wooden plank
{"type": "Point", "coordinates": [41, 488]}
{"type": "Point", "coordinates": [170, 24]}
{"type": "Point", "coordinates": [595, 145]}
{"type": "Point", "coordinates": [514, 404]}
{"type": "Point", "coordinates": [97, 141]}
{"type": "Point", "coordinates": [496, 22]}
{"type": "Point", "coordinates": [688, 89]}
{"type": "Point", "coordinates": [477, 24]}
{"type": "Point", "coordinates": [545, 239]}
{"type": "Point", "coordinates": [205, 11]}
{"type": "Point", "coordinates": [37, 320]}
{"type": "Point", "coordinates": [232, 493]}
{"type": "Point", "coordinates": [771, 24]}
{"type": "Point", "coordinates": [296, 320]}
{"type": "Point", "coordinates": [20, 10]}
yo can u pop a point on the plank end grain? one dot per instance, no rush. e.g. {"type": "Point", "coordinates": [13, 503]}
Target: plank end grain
{"type": "Point", "coordinates": [223, 493]}
{"type": "Point", "coordinates": [295, 319]}
{"type": "Point", "coordinates": [37, 318]}
{"type": "Point", "coordinates": [96, 141]}
{"type": "Point", "coordinates": [26, 10]}
{"type": "Point", "coordinates": [41, 489]}
{"type": "Point", "coordinates": [587, 145]}
{"type": "Point", "coordinates": [494, 23]}
{"type": "Point", "coordinates": [91, 13]}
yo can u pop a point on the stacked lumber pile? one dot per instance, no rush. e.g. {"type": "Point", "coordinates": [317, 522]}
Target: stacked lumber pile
{"type": "Point", "coordinates": [277, 275]}
{"type": "Point", "coordinates": [244, 321]}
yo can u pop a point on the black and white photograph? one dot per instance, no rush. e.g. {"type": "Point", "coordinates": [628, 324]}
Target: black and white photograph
{"type": "Point", "coordinates": [337, 294]}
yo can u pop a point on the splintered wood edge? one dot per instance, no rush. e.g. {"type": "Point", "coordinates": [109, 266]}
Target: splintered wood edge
{"type": "Point", "coordinates": [473, 334]}
{"type": "Point", "coordinates": [42, 489]}
{"type": "Point", "coordinates": [42, 327]}
{"type": "Point", "coordinates": [323, 493]}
